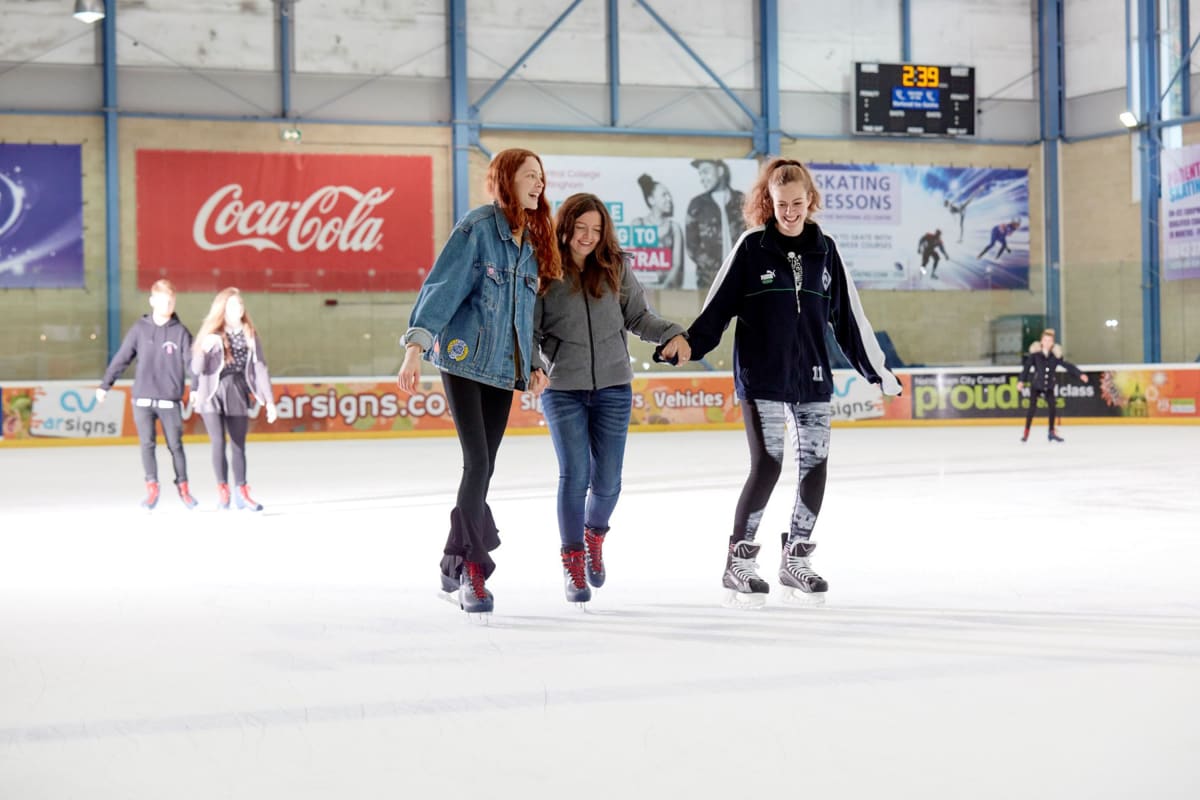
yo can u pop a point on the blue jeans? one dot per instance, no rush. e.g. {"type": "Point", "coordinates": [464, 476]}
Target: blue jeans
{"type": "Point", "coordinates": [589, 430]}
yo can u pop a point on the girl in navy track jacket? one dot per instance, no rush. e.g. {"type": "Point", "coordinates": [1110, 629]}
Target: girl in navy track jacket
{"type": "Point", "coordinates": [785, 283]}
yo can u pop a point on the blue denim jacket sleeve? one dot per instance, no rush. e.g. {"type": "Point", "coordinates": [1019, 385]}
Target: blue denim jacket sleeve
{"type": "Point", "coordinates": [446, 286]}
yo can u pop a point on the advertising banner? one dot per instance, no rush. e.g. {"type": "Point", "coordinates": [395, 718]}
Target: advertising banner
{"type": "Point", "coordinates": [41, 216]}
{"type": "Point", "coordinates": [912, 227]}
{"type": "Point", "coordinates": [350, 407]}
{"type": "Point", "coordinates": [284, 222]}
{"type": "Point", "coordinates": [1181, 213]}
{"type": "Point", "coordinates": [677, 217]}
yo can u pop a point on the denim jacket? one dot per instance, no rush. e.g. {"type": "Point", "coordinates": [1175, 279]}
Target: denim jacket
{"type": "Point", "coordinates": [474, 314]}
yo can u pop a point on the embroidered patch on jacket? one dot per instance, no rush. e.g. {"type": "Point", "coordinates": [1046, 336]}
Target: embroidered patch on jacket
{"type": "Point", "coordinates": [457, 349]}
{"type": "Point", "coordinates": [768, 276]}
{"type": "Point", "coordinates": [169, 348]}
{"type": "Point", "coordinates": [826, 279]}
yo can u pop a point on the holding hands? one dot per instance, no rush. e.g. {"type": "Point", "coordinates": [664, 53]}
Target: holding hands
{"type": "Point", "coordinates": [538, 382]}
{"type": "Point", "coordinates": [676, 351]}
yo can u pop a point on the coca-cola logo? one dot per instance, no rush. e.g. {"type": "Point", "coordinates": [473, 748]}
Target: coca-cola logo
{"type": "Point", "coordinates": [225, 221]}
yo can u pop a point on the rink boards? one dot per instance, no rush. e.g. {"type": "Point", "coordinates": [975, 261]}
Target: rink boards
{"type": "Point", "coordinates": [66, 412]}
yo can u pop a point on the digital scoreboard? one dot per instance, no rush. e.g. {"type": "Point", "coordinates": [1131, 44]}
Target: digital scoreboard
{"type": "Point", "coordinates": [913, 99]}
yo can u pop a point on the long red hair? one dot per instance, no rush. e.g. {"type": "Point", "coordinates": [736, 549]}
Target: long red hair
{"type": "Point", "coordinates": [501, 180]}
{"type": "Point", "coordinates": [603, 265]}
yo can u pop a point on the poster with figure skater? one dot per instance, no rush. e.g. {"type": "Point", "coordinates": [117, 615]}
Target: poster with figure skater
{"type": "Point", "coordinates": [1181, 213]}
{"type": "Point", "coordinates": [675, 217]}
{"type": "Point", "coordinates": [41, 216]}
{"type": "Point", "coordinates": [913, 227]}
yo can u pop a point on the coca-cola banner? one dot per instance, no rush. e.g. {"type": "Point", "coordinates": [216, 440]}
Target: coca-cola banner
{"type": "Point", "coordinates": [282, 222]}
{"type": "Point", "coordinates": [41, 216]}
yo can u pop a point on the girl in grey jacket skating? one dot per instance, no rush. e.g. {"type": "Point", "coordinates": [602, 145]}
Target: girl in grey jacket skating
{"type": "Point", "coordinates": [580, 328]}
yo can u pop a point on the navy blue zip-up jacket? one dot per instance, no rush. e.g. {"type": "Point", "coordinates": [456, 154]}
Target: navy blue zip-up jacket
{"type": "Point", "coordinates": [779, 344]}
{"type": "Point", "coordinates": [162, 353]}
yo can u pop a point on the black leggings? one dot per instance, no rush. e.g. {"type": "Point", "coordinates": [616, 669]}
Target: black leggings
{"type": "Point", "coordinates": [1051, 402]}
{"type": "Point", "coordinates": [480, 416]}
{"type": "Point", "coordinates": [766, 432]}
{"type": "Point", "coordinates": [218, 425]}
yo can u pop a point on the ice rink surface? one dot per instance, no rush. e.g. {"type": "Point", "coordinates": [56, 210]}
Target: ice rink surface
{"type": "Point", "coordinates": [1004, 621]}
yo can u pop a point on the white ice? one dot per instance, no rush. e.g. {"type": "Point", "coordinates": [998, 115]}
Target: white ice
{"type": "Point", "coordinates": [1005, 620]}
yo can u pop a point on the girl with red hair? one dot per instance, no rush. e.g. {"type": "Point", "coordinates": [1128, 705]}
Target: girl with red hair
{"type": "Point", "coordinates": [473, 321]}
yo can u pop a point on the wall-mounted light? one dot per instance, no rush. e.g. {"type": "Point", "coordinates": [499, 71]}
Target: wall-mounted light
{"type": "Point", "coordinates": [1128, 119]}
{"type": "Point", "coordinates": [89, 11]}
{"type": "Point", "coordinates": [290, 134]}
{"type": "Point", "coordinates": [1111, 323]}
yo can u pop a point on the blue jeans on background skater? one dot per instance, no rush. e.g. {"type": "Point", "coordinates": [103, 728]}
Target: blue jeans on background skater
{"type": "Point", "coordinates": [588, 429]}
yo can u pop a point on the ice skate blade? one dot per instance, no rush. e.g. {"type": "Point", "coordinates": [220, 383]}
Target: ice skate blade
{"type": "Point", "coordinates": [801, 599]}
{"type": "Point", "coordinates": [450, 597]}
{"type": "Point", "coordinates": [743, 600]}
{"type": "Point", "coordinates": [483, 618]}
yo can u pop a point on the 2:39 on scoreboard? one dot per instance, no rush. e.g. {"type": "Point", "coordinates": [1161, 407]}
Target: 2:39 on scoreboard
{"type": "Point", "coordinates": [913, 99]}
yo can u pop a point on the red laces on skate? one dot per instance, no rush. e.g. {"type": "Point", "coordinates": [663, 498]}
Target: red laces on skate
{"type": "Point", "coordinates": [475, 576]}
{"type": "Point", "coordinates": [595, 545]}
{"type": "Point", "coordinates": [574, 562]}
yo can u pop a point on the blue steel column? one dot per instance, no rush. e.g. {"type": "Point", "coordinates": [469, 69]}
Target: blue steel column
{"type": "Point", "coordinates": [1151, 136]}
{"type": "Point", "coordinates": [286, 8]}
{"type": "Point", "coordinates": [1185, 46]}
{"type": "Point", "coordinates": [614, 62]}
{"type": "Point", "coordinates": [767, 136]}
{"type": "Point", "coordinates": [906, 30]}
{"type": "Point", "coordinates": [1050, 97]}
{"type": "Point", "coordinates": [460, 108]}
{"type": "Point", "coordinates": [112, 180]}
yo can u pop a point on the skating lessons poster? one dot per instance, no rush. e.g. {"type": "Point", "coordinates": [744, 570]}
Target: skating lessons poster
{"type": "Point", "coordinates": [41, 216]}
{"type": "Point", "coordinates": [677, 217]}
{"type": "Point", "coordinates": [1181, 210]}
{"type": "Point", "coordinates": [926, 227]}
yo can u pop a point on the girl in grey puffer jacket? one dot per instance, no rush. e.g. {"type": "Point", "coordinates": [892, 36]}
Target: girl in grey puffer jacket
{"type": "Point", "coordinates": [580, 330]}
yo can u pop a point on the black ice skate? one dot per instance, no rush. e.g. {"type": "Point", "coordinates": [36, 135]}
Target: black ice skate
{"type": "Point", "coordinates": [574, 561]}
{"type": "Point", "coordinates": [746, 588]}
{"type": "Point", "coordinates": [593, 538]}
{"type": "Point", "coordinates": [1025, 435]}
{"type": "Point", "coordinates": [1054, 437]}
{"type": "Point", "coordinates": [801, 585]}
{"type": "Point", "coordinates": [473, 596]}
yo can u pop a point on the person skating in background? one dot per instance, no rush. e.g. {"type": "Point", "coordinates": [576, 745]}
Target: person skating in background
{"type": "Point", "coordinates": [959, 209]}
{"type": "Point", "coordinates": [714, 219]}
{"type": "Point", "coordinates": [670, 234]}
{"type": "Point", "coordinates": [473, 320]}
{"type": "Point", "coordinates": [580, 328]}
{"type": "Point", "coordinates": [160, 343]}
{"type": "Point", "coordinates": [928, 247]}
{"type": "Point", "coordinates": [1042, 363]}
{"type": "Point", "coordinates": [231, 373]}
{"type": "Point", "coordinates": [1000, 234]}
{"type": "Point", "coordinates": [785, 283]}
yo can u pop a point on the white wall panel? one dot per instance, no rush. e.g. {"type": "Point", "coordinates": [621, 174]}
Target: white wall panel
{"type": "Point", "coordinates": [212, 34]}
{"type": "Point", "coordinates": [404, 38]}
{"type": "Point", "coordinates": [722, 32]}
{"type": "Point", "coordinates": [994, 36]}
{"type": "Point", "coordinates": [45, 31]}
{"type": "Point", "coordinates": [1094, 46]}
{"type": "Point", "coordinates": [819, 41]}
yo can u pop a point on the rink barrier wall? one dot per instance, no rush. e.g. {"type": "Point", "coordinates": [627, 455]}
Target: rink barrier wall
{"type": "Point", "coordinates": [67, 412]}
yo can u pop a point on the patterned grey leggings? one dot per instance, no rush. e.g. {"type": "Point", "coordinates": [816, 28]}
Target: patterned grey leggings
{"type": "Point", "coordinates": [766, 423]}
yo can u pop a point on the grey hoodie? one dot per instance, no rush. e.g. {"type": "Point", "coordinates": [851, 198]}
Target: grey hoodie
{"type": "Point", "coordinates": [581, 341]}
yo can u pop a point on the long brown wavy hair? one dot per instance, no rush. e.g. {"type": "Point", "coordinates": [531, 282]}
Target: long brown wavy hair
{"type": "Point", "coordinates": [501, 184]}
{"type": "Point", "coordinates": [603, 265]}
{"type": "Point", "coordinates": [759, 210]}
{"type": "Point", "coordinates": [214, 322]}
